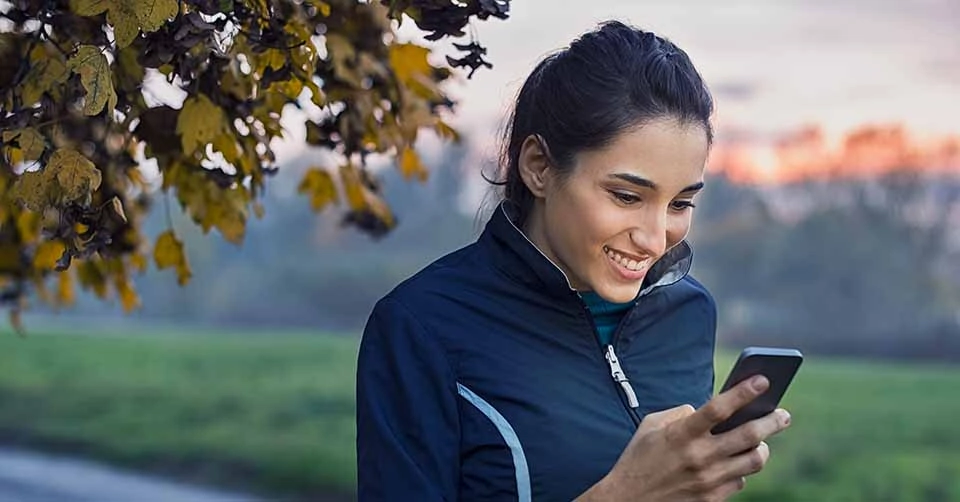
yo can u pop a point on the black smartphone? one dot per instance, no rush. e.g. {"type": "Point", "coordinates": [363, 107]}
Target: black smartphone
{"type": "Point", "coordinates": [779, 365]}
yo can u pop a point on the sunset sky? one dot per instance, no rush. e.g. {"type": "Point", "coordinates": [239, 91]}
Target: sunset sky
{"type": "Point", "coordinates": [772, 65]}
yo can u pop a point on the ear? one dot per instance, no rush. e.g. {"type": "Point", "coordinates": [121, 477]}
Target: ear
{"type": "Point", "coordinates": [534, 166]}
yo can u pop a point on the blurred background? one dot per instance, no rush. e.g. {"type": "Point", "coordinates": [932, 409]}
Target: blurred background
{"type": "Point", "coordinates": [830, 223]}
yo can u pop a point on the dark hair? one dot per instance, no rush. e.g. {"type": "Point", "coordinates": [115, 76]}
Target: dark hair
{"type": "Point", "coordinates": [581, 98]}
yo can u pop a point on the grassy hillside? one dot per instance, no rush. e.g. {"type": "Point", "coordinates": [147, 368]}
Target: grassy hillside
{"type": "Point", "coordinates": [274, 413]}
{"type": "Point", "coordinates": [270, 413]}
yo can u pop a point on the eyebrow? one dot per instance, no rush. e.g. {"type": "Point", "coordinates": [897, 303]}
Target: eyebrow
{"type": "Point", "coordinates": [645, 183]}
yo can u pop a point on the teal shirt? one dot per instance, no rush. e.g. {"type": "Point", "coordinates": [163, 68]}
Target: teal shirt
{"type": "Point", "coordinates": [606, 315]}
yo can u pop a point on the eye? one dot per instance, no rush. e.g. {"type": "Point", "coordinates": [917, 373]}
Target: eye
{"type": "Point", "coordinates": [625, 197]}
{"type": "Point", "coordinates": [682, 205]}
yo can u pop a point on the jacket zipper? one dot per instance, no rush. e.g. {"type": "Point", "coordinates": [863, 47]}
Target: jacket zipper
{"type": "Point", "coordinates": [615, 365]}
{"type": "Point", "coordinates": [623, 388]}
{"type": "Point", "coordinates": [616, 371]}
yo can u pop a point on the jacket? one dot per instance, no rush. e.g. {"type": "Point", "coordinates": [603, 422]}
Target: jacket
{"type": "Point", "coordinates": [481, 377]}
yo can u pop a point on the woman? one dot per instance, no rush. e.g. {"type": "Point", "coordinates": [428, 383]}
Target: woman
{"type": "Point", "coordinates": [566, 354]}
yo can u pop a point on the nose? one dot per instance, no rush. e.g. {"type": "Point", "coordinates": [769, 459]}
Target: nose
{"type": "Point", "coordinates": [650, 235]}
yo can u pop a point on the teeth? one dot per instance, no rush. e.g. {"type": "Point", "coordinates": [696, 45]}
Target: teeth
{"type": "Point", "coordinates": [624, 261]}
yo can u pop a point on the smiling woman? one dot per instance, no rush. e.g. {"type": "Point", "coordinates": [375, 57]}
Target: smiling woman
{"type": "Point", "coordinates": [611, 214]}
{"type": "Point", "coordinates": [563, 354]}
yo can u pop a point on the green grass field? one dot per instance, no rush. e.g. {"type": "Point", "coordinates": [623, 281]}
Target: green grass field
{"type": "Point", "coordinates": [274, 414]}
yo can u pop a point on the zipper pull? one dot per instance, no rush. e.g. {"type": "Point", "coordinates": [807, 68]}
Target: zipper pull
{"type": "Point", "coordinates": [617, 372]}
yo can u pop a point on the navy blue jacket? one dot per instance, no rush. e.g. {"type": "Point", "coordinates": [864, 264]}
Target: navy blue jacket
{"type": "Point", "coordinates": [482, 377]}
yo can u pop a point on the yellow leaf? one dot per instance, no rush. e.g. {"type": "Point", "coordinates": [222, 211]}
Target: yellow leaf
{"type": "Point", "coordinates": [168, 252]}
{"type": "Point", "coordinates": [55, 71]}
{"type": "Point", "coordinates": [33, 190]}
{"type": "Point", "coordinates": [136, 177]}
{"type": "Point", "coordinates": [76, 176]}
{"type": "Point", "coordinates": [131, 71]}
{"type": "Point", "coordinates": [48, 252]}
{"type": "Point", "coordinates": [139, 262]}
{"type": "Point", "coordinates": [341, 53]}
{"type": "Point", "coordinates": [227, 145]}
{"type": "Point", "coordinates": [414, 115]}
{"type": "Point", "coordinates": [445, 131]}
{"type": "Point", "coordinates": [128, 297]}
{"type": "Point", "coordinates": [199, 123]}
{"type": "Point", "coordinates": [353, 187]}
{"type": "Point", "coordinates": [128, 16]}
{"type": "Point", "coordinates": [409, 61]}
{"type": "Point", "coordinates": [126, 24]}
{"type": "Point", "coordinates": [10, 262]}
{"type": "Point", "coordinates": [89, 7]}
{"type": "Point", "coordinates": [95, 75]}
{"type": "Point", "coordinates": [46, 73]}
{"type": "Point", "coordinates": [317, 95]}
{"type": "Point", "coordinates": [65, 288]}
{"type": "Point", "coordinates": [271, 58]}
{"type": "Point", "coordinates": [318, 184]}
{"type": "Point", "coordinates": [153, 14]}
{"type": "Point", "coordinates": [290, 88]}
{"type": "Point", "coordinates": [32, 144]}
{"type": "Point", "coordinates": [304, 57]}
{"type": "Point", "coordinates": [91, 276]}
{"type": "Point", "coordinates": [15, 154]}
{"type": "Point", "coordinates": [410, 164]}
{"type": "Point", "coordinates": [321, 6]}
{"type": "Point", "coordinates": [28, 225]}
{"type": "Point", "coordinates": [232, 225]}
{"type": "Point", "coordinates": [258, 210]}
{"type": "Point", "coordinates": [362, 199]}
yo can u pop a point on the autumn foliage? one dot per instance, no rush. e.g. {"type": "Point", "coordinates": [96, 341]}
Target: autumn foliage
{"type": "Point", "coordinates": [77, 122]}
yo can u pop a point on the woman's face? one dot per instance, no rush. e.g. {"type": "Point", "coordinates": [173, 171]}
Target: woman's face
{"type": "Point", "coordinates": [620, 208]}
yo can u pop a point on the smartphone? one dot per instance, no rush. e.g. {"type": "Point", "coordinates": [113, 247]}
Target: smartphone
{"type": "Point", "coordinates": [779, 365]}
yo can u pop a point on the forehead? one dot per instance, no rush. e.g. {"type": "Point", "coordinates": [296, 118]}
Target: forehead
{"type": "Point", "coordinates": [666, 152]}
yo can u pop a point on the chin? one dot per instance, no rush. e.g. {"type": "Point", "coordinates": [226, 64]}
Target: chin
{"type": "Point", "coordinates": [619, 294]}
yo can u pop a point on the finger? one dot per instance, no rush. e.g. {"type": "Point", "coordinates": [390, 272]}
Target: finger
{"type": "Point", "coordinates": [729, 489]}
{"type": "Point", "coordinates": [749, 435]}
{"type": "Point", "coordinates": [748, 463]}
{"type": "Point", "coordinates": [724, 405]}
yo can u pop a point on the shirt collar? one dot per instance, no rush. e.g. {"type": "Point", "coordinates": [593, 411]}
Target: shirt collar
{"type": "Point", "coordinates": [527, 263]}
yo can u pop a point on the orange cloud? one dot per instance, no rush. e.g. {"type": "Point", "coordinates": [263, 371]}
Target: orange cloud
{"type": "Point", "coordinates": [807, 154]}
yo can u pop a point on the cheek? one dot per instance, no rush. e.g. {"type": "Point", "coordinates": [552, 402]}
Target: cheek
{"type": "Point", "coordinates": [677, 228]}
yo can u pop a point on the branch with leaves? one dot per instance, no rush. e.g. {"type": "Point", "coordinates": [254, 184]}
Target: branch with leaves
{"type": "Point", "coordinates": [76, 122]}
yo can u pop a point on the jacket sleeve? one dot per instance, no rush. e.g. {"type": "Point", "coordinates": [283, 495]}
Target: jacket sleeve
{"type": "Point", "coordinates": [408, 437]}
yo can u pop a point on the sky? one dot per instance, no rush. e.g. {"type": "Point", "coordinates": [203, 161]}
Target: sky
{"type": "Point", "coordinates": [772, 64]}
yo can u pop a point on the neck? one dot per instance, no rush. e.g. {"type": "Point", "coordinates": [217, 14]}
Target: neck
{"type": "Point", "coordinates": [534, 228]}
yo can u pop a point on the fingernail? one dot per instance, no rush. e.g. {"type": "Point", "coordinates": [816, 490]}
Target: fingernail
{"type": "Point", "coordinates": [759, 383]}
{"type": "Point", "coordinates": [784, 417]}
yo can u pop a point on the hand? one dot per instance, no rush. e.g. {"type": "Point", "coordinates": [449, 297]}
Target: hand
{"type": "Point", "coordinates": [673, 456]}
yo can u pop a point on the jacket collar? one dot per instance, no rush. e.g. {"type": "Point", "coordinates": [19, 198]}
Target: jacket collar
{"type": "Point", "coordinates": [521, 259]}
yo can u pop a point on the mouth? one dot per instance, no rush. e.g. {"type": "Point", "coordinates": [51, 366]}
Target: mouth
{"type": "Point", "coordinates": [630, 266]}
